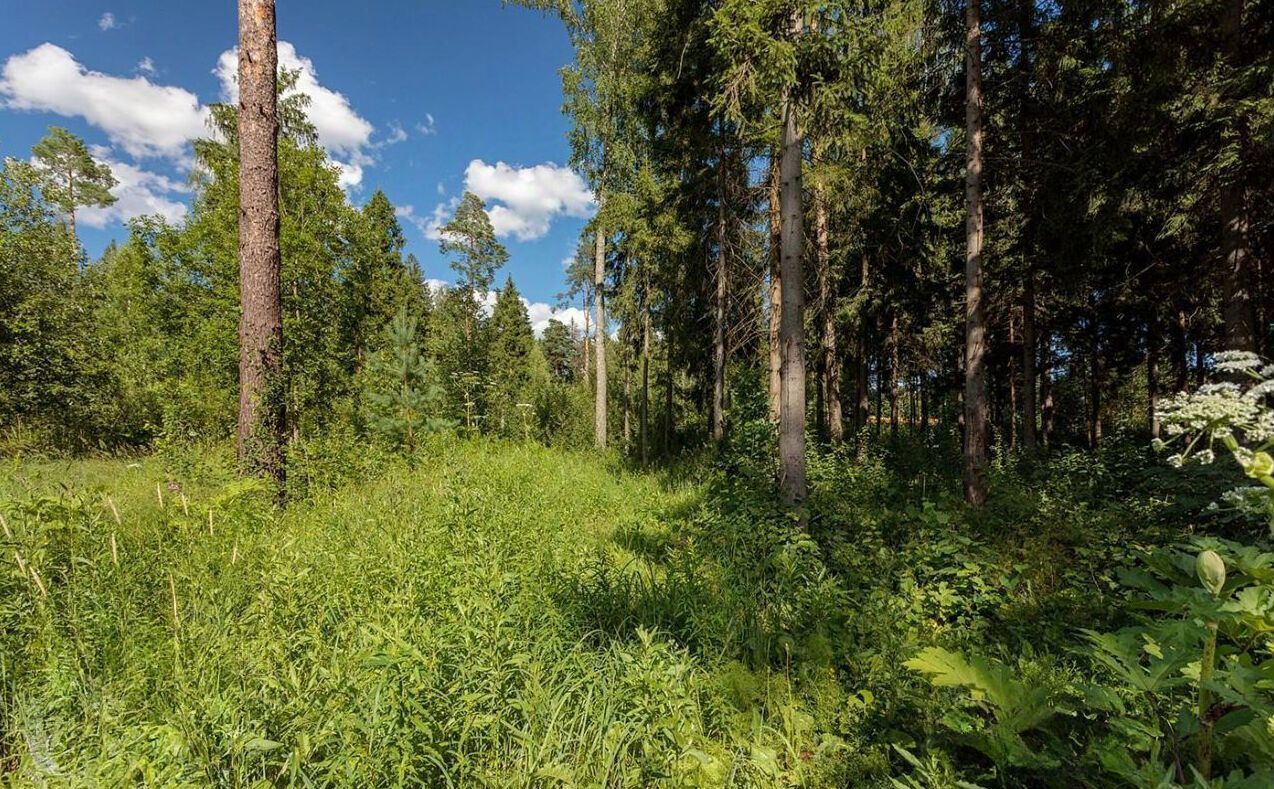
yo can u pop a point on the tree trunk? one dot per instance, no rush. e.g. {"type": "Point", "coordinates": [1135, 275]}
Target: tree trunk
{"type": "Point", "coordinates": [893, 377]}
{"type": "Point", "coordinates": [1046, 393]}
{"type": "Point", "coordinates": [830, 364]}
{"type": "Point", "coordinates": [1239, 307]}
{"type": "Point", "coordinates": [792, 322]}
{"type": "Point", "coordinates": [776, 289]}
{"type": "Point", "coordinates": [1026, 33]}
{"type": "Point", "coordinates": [1010, 412]}
{"type": "Point", "coordinates": [599, 287]}
{"type": "Point", "coordinates": [719, 306]}
{"type": "Point", "coordinates": [1180, 350]}
{"type": "Point", "coordinates": [669, 423]}
{"type": "Point", "coordinates": [975, 406]}
{"type": "Point", "coordinates": [1094, 395]}
{"type": "Point", "coordinates": [262, 428]}
{"type": "Point", "coordinates": [645, 384]}
{"type": "Point", "coordinates": [863, 395]}
{"type": "Point", "coordinates": [628, 396]}
{"type": "Point", "coordinates": [588, 310]}
{"type": "Point", "coordinates": [1152, 373]}
{"type": "Point", "coordinates": [1029, 350]}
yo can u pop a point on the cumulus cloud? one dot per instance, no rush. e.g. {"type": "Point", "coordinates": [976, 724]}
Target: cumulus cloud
{"type": "Point", "coordinates": [538, 312]}
{"type": "Point", "coordinates": [430, 225]}
{"type": "Point", "coordinates": [523, 201]}
{"type": "Point", "coordinates": [397, 134]}
{"type": "Point", "coordinates": [344, 133]}
{"type": "Point", "coordinates": [141, 117]}
{"type": "Point", "coordinates": [146, 66]}
{"type": "Point", "coordinates": [107, 22]}
{"type": "Point", "coordinates": [138, 193]}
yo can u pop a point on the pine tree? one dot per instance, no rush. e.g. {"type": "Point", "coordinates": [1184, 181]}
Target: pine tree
{"type": "Point", "coordinates": [70, 177]}
{"type": "Point", "coordinates": [403, 400]}
{"type": "Point", "coordinates": [262, 431]}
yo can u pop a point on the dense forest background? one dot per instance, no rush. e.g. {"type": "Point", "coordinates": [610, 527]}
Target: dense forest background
{"type": "Point", "coordinates": [900, 315]}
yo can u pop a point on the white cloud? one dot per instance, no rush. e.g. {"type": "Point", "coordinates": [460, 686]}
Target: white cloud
{"type": "Point", "coordinates": [430, 226]}
{"type": "Point", "coordinates": [538, 312]}
{"type": "Point", "coordinates": [344, 133]}
{"type": "Point", "coordinates": [397, 134]}
{"type": "Point", "coordinates": [146, 66]}
{"type": "Point", "coordinates": [138, 193]}
{"type": "Point", "coordinates": [141, 117]}
{"type": "Point", "coordinates": [523, 201]}
{"type": "Point", "coordinates": [427, 127]}
{"type": "Point", "coordinates": [541, 313]}
{"type": "Point", "coordinates": [107, 22]}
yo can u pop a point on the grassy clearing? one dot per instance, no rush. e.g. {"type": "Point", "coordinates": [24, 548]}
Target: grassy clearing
{"type": "Point", "coordinates": [430, 626]}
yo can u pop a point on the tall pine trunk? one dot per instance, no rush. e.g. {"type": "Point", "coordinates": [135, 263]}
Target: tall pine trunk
{"type": "Point", "coordinates": [720, 303]}
{"type": "Point", "coordinates": [262, 428]}
{"type": "Point", "coordinates": [645, 381]}
{"type": "Point", "coordinates": [1239, 308]}
{"type": "Point", "coordinates": [1152, 373]}
{"type": "Point", "coordinates": [975, 406]}
{"type": "Point", "coordinates": [1026, 119]}
{"type": "Point", "coordinates": [776, 290]}
{"type": "Point", "coordinates": [862, 383]}
{"type": "Point", "coordinates": [830, 362]}
{"type": "Point", "coordinates": [792, 483]}
{"type": "Point", "coordinates": [599, 285]}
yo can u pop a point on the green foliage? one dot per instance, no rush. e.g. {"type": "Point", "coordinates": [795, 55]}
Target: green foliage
{"type": "Point", "coordinates": [318, 646]}
{"type": "Point", "coordinates": [469, 237]}
{"type": "Point", "coordinates": [69, 176]}
{"type": "Point", "coordinates": [402, 398]}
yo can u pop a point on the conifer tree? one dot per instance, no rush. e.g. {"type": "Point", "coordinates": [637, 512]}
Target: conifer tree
{"type": "Point", "coordinates": [510, 341]}
{"type": "Point", "coordinates": [262, 430]}
{"type": "Point", "coordinates": [70, 177]}
{"type": "Point", "coordinates": [403, 400]}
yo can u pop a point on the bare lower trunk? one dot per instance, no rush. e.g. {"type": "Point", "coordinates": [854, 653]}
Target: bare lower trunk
{"type": "Point", "coordinates": [1046, 394]}
{"type": "Point", "coordinates": [599, 285]}
{"type": "Point", "coordinates": [1239, 305]}
{"type": "Point", "coordinates": [1094, 397]}
{"type": "Point", "coordinates": [588, 309]}
{"type": "Point", "coordinates": [830, 363]}
{"type": "Point", "coordinates": [975, 407]}
{"type": "Point", "coordinates": [669, 383]}
{"type": "Point", "coordinates": [1152, 374]}
{"type": "Point", "coordinates": [719, 308]}
{"type": "Point", "coordinates": [645, 386]}
{"type": "Point", "coordinates": [862, 405]}
{"type": "Point", "coordinates": [1180, 350]}
{"type": "Point", "coordinates": [1029, 415]}
{"type": "Point", "coordinates": [628, 396]}
{"type": "Point", "coordinates": [893, 377]}
{"type": "Point", "coordinates": [792, 329]}
{"type": "Point", "coordinates": [1026, 34]}
{"type": "Point", "coordinates": [776, 290]}
{"type": "Point", "coordinates": [262, 429]}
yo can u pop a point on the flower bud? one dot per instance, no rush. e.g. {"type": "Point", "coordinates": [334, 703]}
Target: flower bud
{"type": "Point", "coordinates": [1211, 571]}
{"type": "Point", "coordinates": [1261, 465]}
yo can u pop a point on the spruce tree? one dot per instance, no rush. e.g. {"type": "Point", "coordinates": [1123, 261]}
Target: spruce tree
{"type": "Point", "coordinates": [509, 342]}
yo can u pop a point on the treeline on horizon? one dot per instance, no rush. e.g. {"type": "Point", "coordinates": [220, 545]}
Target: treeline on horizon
{"type": "Point", "coordinates": [811, 191]}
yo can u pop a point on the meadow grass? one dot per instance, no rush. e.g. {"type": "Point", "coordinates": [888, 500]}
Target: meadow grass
{"type": "Point", "coordinates": [430, 625]}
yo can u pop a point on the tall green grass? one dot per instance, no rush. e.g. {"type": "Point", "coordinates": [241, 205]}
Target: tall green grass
{"type": "Point", "coordinates": [446, 623]}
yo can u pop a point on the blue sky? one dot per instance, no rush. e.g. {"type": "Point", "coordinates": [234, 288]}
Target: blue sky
{"type": "Point", "coordinates": [420, 98]}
